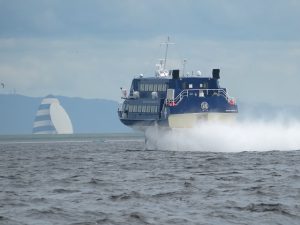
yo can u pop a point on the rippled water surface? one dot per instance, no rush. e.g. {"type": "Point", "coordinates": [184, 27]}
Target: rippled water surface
{"type": "Point", "coordinates": [111, 179]}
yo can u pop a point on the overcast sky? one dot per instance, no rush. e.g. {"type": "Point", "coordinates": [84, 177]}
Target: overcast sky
{"type": "Point", "coordinates": [89, 48]}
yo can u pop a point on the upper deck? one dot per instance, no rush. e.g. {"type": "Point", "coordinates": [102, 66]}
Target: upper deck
{"type": "Point", "coordinates": [146, 86]}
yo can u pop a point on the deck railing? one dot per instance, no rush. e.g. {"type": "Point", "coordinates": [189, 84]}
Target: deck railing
{"type": "Point", "coordinates": [186, 92]}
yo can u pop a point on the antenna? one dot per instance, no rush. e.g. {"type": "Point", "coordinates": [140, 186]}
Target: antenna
{"type": "Point", "coordinates": [183, 69]}
{"type": "Point", "coordinates": [167, 43]}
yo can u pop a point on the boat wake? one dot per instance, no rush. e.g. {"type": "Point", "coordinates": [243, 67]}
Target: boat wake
{"type": "Point", "coordinates": [228, 137]}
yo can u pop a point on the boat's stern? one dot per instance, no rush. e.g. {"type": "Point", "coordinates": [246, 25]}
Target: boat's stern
{"type": "Point", "coordinates": [192, 107]}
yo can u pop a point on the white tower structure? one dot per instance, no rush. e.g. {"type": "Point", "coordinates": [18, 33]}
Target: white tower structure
{"type": "Point", "coordinates": [51, 118]}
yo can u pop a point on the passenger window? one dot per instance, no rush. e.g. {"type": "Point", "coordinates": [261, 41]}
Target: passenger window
{"type": "Point", "coordinates": [150, 87]}
{"type": "Point", "coordinates": [152, 109]}
{"type": "Point", "coordinates": [190, 85]}
{"type": "Point", "coordinates": [159, 87]}
{"type": "Point", "coordinates": [148, 108]}
{"type": "Point", "coordinates": [164, 87]}
{"type": "Point", "coordinates": [142, 87]}
{"type": "Point", "coordinates": [143, 108]}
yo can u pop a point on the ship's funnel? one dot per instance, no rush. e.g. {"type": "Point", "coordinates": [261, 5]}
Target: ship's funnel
{"type": "Point", "coordinates": [216, 74]}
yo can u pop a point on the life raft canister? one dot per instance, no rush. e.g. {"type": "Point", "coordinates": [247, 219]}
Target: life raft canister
{"type": "Point", "coordinates": [171, 103]}
{"type": "Point", "coordinates": [231, 101]}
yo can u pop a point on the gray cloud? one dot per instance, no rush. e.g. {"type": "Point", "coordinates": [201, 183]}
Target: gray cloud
{"type": "Point", "coordinates": [90, 48]}
{"type": "Point", "coordinates": [232, 19]}
{"type": "Point", "coordinates": [252, 71]}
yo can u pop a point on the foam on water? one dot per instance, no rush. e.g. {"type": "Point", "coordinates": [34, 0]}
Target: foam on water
{"type": "Point", "coordinates": [99, 182]}
{"type": "Point", "coordinates": [230, 137]}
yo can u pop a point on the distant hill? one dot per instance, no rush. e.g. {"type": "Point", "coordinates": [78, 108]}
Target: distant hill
{"type": "Point", "coordinates": [17, 113]}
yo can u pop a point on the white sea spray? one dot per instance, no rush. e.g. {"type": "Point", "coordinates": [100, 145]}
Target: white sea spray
{"type": "Point", "coordinates": [247, 135]}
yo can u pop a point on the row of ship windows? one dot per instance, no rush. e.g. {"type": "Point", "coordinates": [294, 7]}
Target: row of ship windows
{"type": "Point", "coordinates": [164, 87]}
{"type": "Point", "coordinates": [141, 108]}
{"type": "Point", "coordinates": [152, 87]}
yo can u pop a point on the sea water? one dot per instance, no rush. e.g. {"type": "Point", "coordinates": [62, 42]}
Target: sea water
{"type": "Point", "coordinates": [112, 179]}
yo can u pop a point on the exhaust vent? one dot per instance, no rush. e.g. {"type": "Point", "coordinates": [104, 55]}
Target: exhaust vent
{"type": "Point", "coordinates": [175, 74]}
{"type": "Point", "coordinates": [216, 74]}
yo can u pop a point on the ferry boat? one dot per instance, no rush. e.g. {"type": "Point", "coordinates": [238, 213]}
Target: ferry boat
{"type": "Point", "coordinates": [172, 99]}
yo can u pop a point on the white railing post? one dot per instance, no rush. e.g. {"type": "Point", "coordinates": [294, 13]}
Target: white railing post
{"type": "Point", "coordinates": [185, 93]}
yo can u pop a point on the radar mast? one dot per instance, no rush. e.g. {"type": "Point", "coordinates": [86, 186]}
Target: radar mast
{"type": "Point", "coordinates": [167, 43]}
